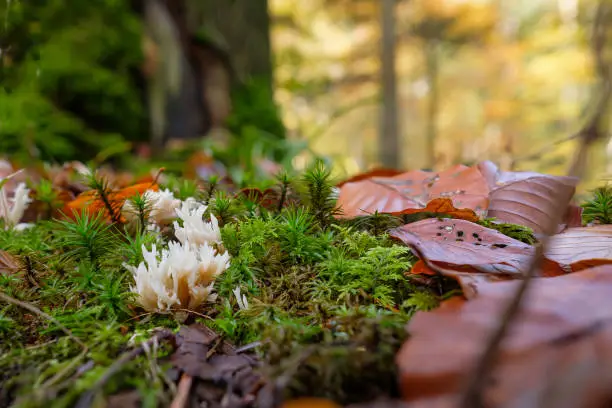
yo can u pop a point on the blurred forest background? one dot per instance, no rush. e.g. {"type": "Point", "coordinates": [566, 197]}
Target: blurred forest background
{"type": "Point", "coordinates": [245, 84]}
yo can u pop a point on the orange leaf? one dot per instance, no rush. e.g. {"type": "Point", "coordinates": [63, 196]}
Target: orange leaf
{"type": "Point", "coordinates": [464, 186]}
{"type": "Point", "coordinates": [310, 403]}
{"type": "Point", "coordinates": [378, 172]}
{"type": "Point", "coordinates": [90, 201]}
{"type": "Point", "coordinates": [420, 268]}
{"type": "Point", "coordinates": [442, 206]}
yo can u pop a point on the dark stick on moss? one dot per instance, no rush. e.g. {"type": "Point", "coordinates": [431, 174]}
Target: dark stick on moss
{"type": "Point", "coordinates": [100, 185]}
{"type": "Point", "coordinates": [87, 398]}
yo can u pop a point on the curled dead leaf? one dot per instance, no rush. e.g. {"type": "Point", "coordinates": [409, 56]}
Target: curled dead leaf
{"type": "Point", "coordinates": [377, 172]}
{"type": "Point", "coordinates": [531, 202]}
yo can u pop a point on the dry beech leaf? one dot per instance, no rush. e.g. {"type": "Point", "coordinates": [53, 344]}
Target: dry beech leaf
{"type": "Point", "coordinates": [581, 248]}
{"type": "Point", "coordinates": [90, 201]}
{"type": "Point", "coordinates": [559, 350]}
{"type": "Point", "coordinates": [310, 403]}
{"type": "Point", "coordinates": [421, 268]}
{"type": "Point", "coordinates": [378, 172]}
{"type": "Point", "coordinates": [442, 206]}
{"type": "Point", "coordinates": [462, 246]}
{"type": "Point", "coordinates": [465, 186]}
{"type": "Point", "coordinates": [8, 263]}
{"type": "Point", "coordinates": [531, 202]}
{"type": "Point", "coordinates": [496, 178]}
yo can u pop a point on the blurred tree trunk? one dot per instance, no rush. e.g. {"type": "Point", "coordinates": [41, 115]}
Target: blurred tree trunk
{"type": "Point", "coordinates": [432, 70]}
{"type": "Point", "coordinates": [242, 28]}
{"type": "Point", "coordinates": [222, 43]}
{"type": "Point", "coordinates": [389, 133]}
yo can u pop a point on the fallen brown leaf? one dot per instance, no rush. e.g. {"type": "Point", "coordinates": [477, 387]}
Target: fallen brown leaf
{"type": "Point", "coordinates": [461, 246]}
{"type": "Point", "coordinates": [8, 263]}
{"type": "Point", "coordinates": [214, 366]}
{"type": "Point", "coordinates": [378, 172]}
{"type": "Point", "coordinates": [531, 202]}
{"type": "Point", "coordinates": [465, 186]}
{"type": "Point", "coordinates": [581, 248]}
{"type": "Point", "coordinates": [557, 354]}
{"type": "Point", "coordinates": [91, 201]}
{"type": "Point", "coordinates": [310, 403]}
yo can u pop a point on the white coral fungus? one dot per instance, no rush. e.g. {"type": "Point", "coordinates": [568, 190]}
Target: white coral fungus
{"type": "Point", "coordinates": [163, 206]}
{"type": "Point", "coordinates": [195, 230]}
{"type": "Point", "coordinates": [181, 277]}
{"type": "Point", "coordinates": [243, 303]}
{"type": "Point", "coordinates": [12, 209]}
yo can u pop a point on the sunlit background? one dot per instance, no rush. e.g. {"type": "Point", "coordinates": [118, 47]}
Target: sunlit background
{"type": "Point", "coordinates": [498, 80]}
{"type": "Point", "coordinates": [365, 83]}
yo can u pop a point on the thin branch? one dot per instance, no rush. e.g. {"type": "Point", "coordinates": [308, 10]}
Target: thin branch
{"type": "Point", "coordinates": [590, 133]}
{"type": "Point", "coordinates": [87, 398]}
{"type": "Point", "coordinates": [182, 394]}
{"type": "Point", "coordinates": [28, 306]}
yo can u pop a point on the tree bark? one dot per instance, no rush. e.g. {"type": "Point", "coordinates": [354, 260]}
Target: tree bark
{"type": "Point", "coordinates": [389, 132]}
{"type": "Point", "coordinates": [432, 67]}
{"type": "Point", "coordinates": [242, 28]}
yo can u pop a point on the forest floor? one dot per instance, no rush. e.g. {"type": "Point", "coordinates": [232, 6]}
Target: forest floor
{"type": "Point", "coordinates": [381, 290]}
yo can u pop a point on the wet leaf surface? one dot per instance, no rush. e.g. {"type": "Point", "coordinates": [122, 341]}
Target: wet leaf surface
{"type": "Point", "coordinates": [462, 246]}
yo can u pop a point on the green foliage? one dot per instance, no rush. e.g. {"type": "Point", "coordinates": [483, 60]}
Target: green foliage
{"type": "Point", "coordinates": [46, 194]}
{"type": "Point", "coordinates": [87, 238]}
{"type": "Point", "coordinates": [599, 208]}
{"type": "Point", "coordinates": [321, 198]}
{"type": "Point", "coordinates": [141, 210]}
{"type": "Point", "coordinates": [351, 360]}
{"type": "Point", "coordinates": [253, 105]}
{"type": "Point", "coordinates": [329, 301]}
{"type": "Point", "coordinates": [102, 191]}
{"type": "Point", "coordinates": [68, 88]}
{"type": "Point", "coordinates": [518, 232]}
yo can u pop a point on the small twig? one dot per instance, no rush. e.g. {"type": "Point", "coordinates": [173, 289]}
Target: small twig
{"type": "Point", "coordinates": [87, 398]}
{"type": "Point", "coordinates": [28, 306]}
{"type": "Point", "coordinates": [214, 348]}
{"type": "Point", "coordinates": [60, 374]}
{"type": "Point", "coordinates": [248, 347]}
{"type": "Point", "coordinates": [182, 393]}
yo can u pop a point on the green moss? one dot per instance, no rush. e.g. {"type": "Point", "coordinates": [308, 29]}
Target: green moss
{"type": "Point", "coordinates": [68, 78]}
{"type": "Point", "coordinates": [319, 291]}
{"type": "Point", "coordinates": [515, 231]}
{"type": "Point", "coordinates": [598, 208]}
